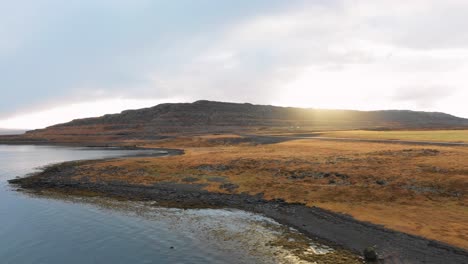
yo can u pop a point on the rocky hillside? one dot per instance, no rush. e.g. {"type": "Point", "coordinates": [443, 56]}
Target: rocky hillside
{"type": "Point", "coordinates": [219, 117]}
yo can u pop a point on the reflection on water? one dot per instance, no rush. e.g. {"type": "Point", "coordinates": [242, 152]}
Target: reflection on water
{"type": "Point", "coordinates": [57, 229]}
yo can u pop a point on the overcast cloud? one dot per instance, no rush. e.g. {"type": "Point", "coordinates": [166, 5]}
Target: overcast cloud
{"type": "Point", "coordinates": [60, 55]}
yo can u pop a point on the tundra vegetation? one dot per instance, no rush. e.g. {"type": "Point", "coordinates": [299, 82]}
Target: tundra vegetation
{"type": "Point", "coordinates": [396, 178]}
{"type": "Point", "coordinates": [417, 189]}
{"type": "Point", "coordinates": [415, 135]}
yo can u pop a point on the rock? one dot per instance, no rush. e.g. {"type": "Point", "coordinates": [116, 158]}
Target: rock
{"type": "Point", "coordinates": [381, 182]}
{"type": "Point", "coordinates": [15, 181]}
{"type": "Point", "coordinates": [296, 177]}
{"type": "Point", "coordinates": [341, 175]}
{"type": "Point", "coordinates": [370, 254]}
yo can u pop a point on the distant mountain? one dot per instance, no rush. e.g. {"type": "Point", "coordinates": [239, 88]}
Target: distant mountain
{"type": "Point", "coordinates": [11, 131]}
{"type": "Point", "coordinates": [219, 117]}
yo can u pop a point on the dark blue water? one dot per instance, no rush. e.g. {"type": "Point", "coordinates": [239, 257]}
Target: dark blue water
{"type": "Point", "coordinates": [98, 230]}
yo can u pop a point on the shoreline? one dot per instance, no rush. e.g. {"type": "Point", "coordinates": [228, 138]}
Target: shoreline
{"type": "Point", "coordinates": [337, 230]}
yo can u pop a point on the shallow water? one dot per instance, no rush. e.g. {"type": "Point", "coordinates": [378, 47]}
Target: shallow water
{"type": "Point", "coordinates": [98, 230]}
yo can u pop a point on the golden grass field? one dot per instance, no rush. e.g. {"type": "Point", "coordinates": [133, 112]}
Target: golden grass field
{"type": "Point", "coordinates": [420, 190]}
{"type": "Point", "coordinates": [421, 135]}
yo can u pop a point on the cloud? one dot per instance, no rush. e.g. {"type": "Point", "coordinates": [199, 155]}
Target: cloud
{"type": "Point", "coordinates": [424, 96]}
{"type": "Point", "coordinates": [335, 54]}
{"type": "Point", "coordinates": [65, 50]}
{"type": "Point", "coordinates": [62, 114]}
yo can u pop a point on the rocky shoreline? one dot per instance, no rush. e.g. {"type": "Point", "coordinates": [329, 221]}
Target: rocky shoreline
{"type": "Point", "coordinates": [335, 229]}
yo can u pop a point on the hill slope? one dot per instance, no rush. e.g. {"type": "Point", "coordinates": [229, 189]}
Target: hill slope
{"type": "Point", "coordinates": [218, 117]}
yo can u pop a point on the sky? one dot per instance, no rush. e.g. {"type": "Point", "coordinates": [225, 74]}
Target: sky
{"type": "Point", "coordinates": [61, 60]}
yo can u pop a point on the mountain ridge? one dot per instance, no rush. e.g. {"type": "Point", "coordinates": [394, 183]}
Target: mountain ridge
{"type": "Point", "coordinates": [110, 117]}
{"type": "Point", "coordinates": [205, 116]}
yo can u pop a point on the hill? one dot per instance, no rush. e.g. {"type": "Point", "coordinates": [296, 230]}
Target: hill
{"type": "Point", "coordinates": [220, 117]}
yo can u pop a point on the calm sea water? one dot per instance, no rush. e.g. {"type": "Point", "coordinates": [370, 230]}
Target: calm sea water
{"type": "Point", "coordinates": [97, 230]}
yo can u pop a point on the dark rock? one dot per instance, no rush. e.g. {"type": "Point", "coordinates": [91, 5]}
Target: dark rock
{"type": "Point", "coordinates": [296, 177]}
{"type": "Point", "coordinates": [341, 175]}
{"type": "Point", "coordinates": [15, 181]}
{"type": "Point", "coordinates": [370, 254]}
{"type": "Point", "coordinates": [381, 182]}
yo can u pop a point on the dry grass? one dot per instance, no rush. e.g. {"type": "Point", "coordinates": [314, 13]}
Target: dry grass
{"type": "Point", "coordinates": [414, 189]}
{"type": "Point", "coordinates": [422, 135]}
